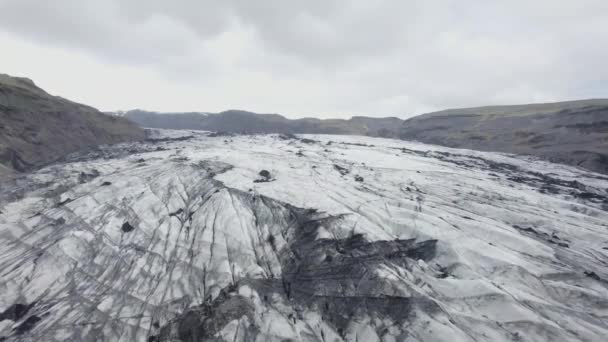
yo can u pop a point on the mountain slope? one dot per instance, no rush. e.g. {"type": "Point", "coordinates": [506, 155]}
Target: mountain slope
{"type": "Point", "coordinates": [196, 237]}
{"type": "Point", "coordinates": [574, 133]}
{"type": "Point", "coordinates": [37, 128]}
{"type": "Point", "coordinates": [238, 121]}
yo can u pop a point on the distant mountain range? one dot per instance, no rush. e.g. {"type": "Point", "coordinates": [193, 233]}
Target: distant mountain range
{"type": "Point", "coordinates": [573, 132]}
{"type": "Point", "coordinates": [37, 128]}
{"type": "Point", "coordinates": [238, 121]}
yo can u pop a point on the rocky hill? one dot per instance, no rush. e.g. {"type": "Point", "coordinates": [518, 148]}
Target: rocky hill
{"type": "Point", "coordinates": [238, 121]}
{"type": "Point", "coordinates": [37, 128]}
{"type": "Point", "coordinates": [574, 133]}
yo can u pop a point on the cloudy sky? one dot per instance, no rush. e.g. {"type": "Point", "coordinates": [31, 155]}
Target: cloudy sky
{"type": "Point", "coordinates": [324, 58]}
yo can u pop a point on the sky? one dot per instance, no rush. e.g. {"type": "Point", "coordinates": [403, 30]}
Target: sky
{"type": "Point", "coordinates": [314, 58]}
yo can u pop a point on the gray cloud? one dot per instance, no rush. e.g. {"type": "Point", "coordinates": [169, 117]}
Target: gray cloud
{"type": "Point", "coordinates": [323, 57]}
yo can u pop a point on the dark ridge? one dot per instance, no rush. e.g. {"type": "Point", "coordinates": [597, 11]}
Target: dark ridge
{"type": "Point", "coordinates": [27, 325]}
{"type": "Point", "coordinates": [16, 311]}
{"type": "Point", "coordinates": [127, 227]}
{"type": "Point", "coordinates": [177, 212]}
{"type": "Point", "coordinates": [66, 201]}
{"type": "Point", "coordinates": [342, 170]}
{"type": "Point", "coordinates": [327, 275]}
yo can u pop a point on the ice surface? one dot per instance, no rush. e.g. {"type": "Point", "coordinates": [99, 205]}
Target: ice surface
{"type": "Point", "coordinates": [172, 239]}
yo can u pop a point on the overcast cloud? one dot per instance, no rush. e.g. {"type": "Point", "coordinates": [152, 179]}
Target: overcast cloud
{"type": "Point", "coordinates": [308, 58]}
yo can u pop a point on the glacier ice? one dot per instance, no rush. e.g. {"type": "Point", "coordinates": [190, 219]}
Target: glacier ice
{"type": "Point", "coordinates": [195, 236]}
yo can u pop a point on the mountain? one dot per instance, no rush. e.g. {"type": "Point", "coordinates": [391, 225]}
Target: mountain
{"type": "Point", "coordinates": [238, 121]}
{"type": "Point", "coordinates": [37, 128]}
{"type": "Point", "coordinates": [573, 133]}
{"type": "Point", "coordinates": [190, 236]}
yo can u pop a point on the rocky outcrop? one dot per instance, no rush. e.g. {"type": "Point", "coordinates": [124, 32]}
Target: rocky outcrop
{"type": "Point", "coordinates": [37, 128]}
{"type": "Point", "coordinates": [573, 133]}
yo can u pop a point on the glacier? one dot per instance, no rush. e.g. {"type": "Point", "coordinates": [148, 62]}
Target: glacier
{"type": "Point", "coordinates": [199, 236]}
